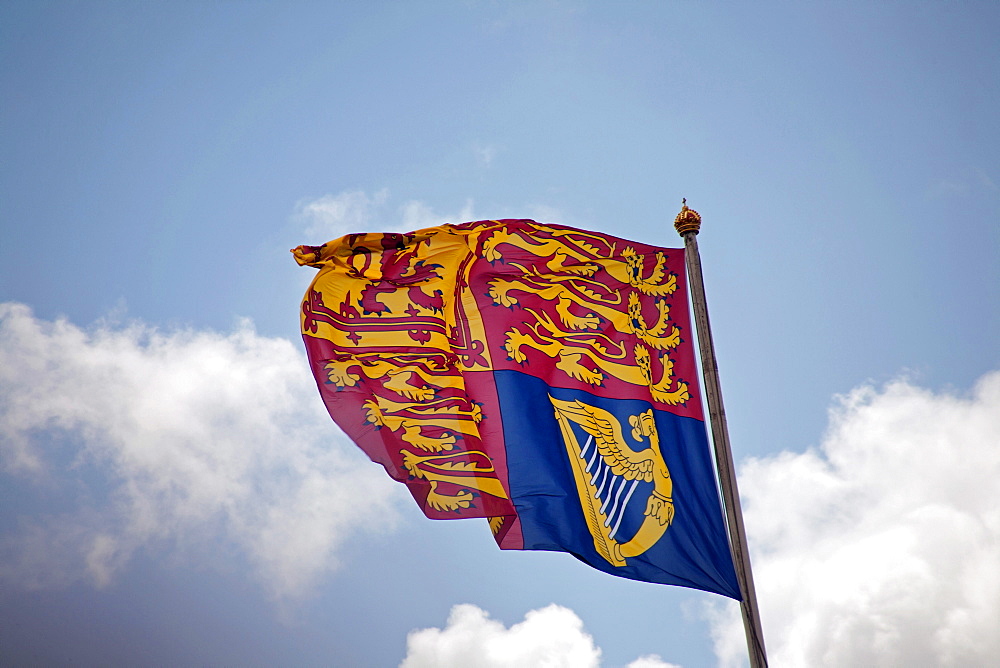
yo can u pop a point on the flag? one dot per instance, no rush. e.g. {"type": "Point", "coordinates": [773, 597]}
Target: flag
{"type": "Point", "coordinates": [536, 375]}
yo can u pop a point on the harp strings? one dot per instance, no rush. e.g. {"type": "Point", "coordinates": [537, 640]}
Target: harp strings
{"type": "Point", "coordinates": [605, 486]}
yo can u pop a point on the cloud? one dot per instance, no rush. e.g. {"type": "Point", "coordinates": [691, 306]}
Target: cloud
{"type": "Point", "coordinates": [130, 438]}
{"type": "Point", "coordinates": [544, 213]}
{"type": "Point", "coordinates": [651, 661]}
{"type": "Point", "coordinates": [986, 182]}
{"type": "Point", "coordinates": [485, 153]}
{"type": "Point", "coordinates": [552, 637]}
{"type": "Point", "coordinates": [417, 215]}
{"type": "Point", "coordinates": [881, 547]}
{"type": "Point", "coordinates": [948, 189]}
{"type": "Point", "coordinates": [972, 181]}
{"type": "Point", "coordinates": [351, 211]}
{"type": "Point", "coordinates": [333, 216]}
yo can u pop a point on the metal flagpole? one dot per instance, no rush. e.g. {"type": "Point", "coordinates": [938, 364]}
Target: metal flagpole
{"type": "Point", "coordinates": [687, 224]}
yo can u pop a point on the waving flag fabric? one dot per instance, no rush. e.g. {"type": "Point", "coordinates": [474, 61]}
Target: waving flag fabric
{"type": "Point", "coordinates": [536, 375]}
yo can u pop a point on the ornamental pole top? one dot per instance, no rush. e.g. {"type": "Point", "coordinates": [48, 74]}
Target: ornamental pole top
{"type": "Point", "coordinates": [688, 220]}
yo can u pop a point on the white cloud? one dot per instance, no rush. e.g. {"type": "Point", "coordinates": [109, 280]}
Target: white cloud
{"type": "Point", "coordinates": [544, 213]}
{"type": "Point", "coordinates": [948, 189]}
{"type": "Point", "coordinates": [552, 637]}
{"type": "Point", "coordinates": [970, 181]}
{"type": "Point", "coordinates": [882, 547]}
{"type": "Point", "coordinates": [985, 181]}
{"type": "Point", "coordinates": [651, 661]}
{"type": "Point", "coordinates": [333, 216]}
{"type": "Point", "coordinates": [195, 440]}
{"type": "Point", "coordinates": [417, 215]}
{"type": "Point", "coordinates": [351, 211]}
{"type": "Point", "coordinates": [485, 153]}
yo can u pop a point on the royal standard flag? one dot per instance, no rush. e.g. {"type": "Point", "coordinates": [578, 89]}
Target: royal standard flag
{"type": "Point", "coordinates": [536, 375]}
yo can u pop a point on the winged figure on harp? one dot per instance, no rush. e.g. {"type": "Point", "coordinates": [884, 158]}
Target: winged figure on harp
{"type": "Point", "coordinates": [607, 471]}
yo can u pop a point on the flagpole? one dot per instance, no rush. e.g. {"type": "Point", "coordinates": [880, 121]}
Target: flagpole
{"type": "Point", "coordinates": [687, 224]}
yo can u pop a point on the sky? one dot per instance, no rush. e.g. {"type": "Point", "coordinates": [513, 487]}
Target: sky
{"type": "Point", "coordinates": [172, 491]}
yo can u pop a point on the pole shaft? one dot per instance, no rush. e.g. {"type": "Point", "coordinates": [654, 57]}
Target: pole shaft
{"type": "Point", "coordinates": [724, 455]}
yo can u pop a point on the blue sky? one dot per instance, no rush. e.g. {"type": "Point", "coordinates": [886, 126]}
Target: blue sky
{"type": "Point", "coordinates": [172, 492]}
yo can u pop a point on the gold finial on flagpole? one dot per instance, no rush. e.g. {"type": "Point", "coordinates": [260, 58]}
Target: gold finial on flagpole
{"type": "Point", "coordinates": [688, 220]}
